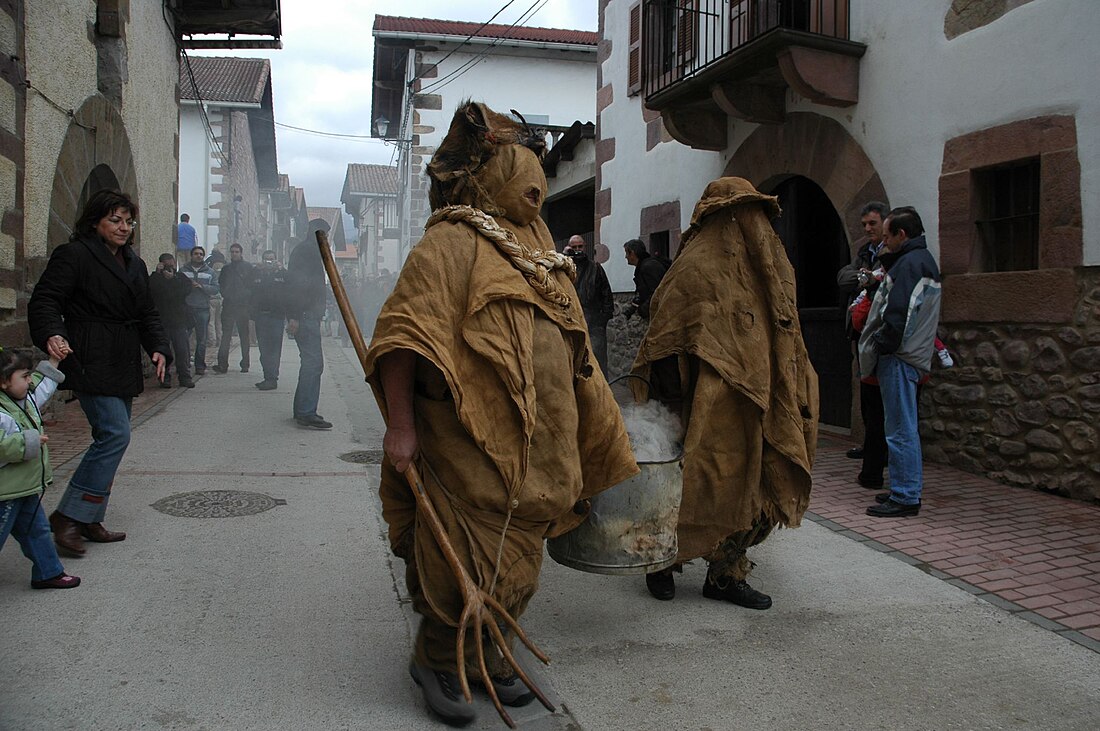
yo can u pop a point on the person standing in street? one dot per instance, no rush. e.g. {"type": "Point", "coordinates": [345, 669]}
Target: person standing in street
{"type": "Point", "coordinates": [204, 285]}
{"type": "Point", "coordinates": [186, 238]}
{"type": "Point", "coordinates": [853, 278]}
{"type": "Point", "coordinates": [648, 272]}
{"type": "Point", "coordinates": [170, 289]}
{"type": "Point", "coordinates": [307, 295]}
{"type": "Point", "coordinates": [269, 290]}
{"type": "Point", "coordinates": [597, 300]}
{"type": "Point", "coordinates": [235, 282]}
{"type": "Point", "coordinates": [92, 308]}
{"type": "Point", "coordinates": [897, 346]}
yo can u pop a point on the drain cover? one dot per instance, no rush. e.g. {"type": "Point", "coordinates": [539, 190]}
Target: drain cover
{"type": "Point", "coordinates": [216, 504]}
{"type": "Point", "coordinates": [368, 456]}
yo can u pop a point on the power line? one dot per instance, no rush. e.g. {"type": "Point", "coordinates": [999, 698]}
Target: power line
{"type": "Point", "coordinates": [460, 45]}
{"type": "Point", "coordinates": [440, 83]}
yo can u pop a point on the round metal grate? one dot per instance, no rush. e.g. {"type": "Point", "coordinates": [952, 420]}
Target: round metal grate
{"type": "Point", "coordinates": [367, 456]}
{"type": "Point", "coordinates": [216, 504]}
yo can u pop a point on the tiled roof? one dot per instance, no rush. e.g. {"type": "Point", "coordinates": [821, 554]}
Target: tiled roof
{"type": "Point", "coordinates": [364, 178]}
{"type": "Point", "coordinates": [330, 215]}
{"type": "Point", "coordinates": [221, 79]}
{"type": "Point", "coordinates": [428, 26]}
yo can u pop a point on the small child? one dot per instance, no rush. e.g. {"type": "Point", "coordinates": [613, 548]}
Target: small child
{"type": "Point", "coordinates": [25, 464]}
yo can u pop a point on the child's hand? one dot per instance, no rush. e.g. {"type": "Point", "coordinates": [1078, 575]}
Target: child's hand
{"type": "Point", "coordinates": [43, 438]}
{"type": "Point", "coordinates": [54, 362]}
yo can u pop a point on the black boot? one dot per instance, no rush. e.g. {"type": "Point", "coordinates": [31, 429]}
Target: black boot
{"type": "Point", "coordinates": [738, 592]}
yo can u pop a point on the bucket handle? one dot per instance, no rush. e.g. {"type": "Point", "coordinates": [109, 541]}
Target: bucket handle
{"type": "Point", "coordinates": [630, 375]}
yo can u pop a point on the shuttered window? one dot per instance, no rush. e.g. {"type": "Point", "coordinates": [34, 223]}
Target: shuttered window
{"type": "Point", "coordinates": [634, 60]}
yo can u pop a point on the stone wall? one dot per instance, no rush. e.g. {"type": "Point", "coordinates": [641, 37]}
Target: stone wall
{"type": "Point", "coordinates": [1022, 404]}
{"type": "Point", "coordinates": [623, 337]}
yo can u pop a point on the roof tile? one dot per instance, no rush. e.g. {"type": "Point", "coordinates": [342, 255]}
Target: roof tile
{"type": "Point", "coordinates": [222, 79]}
{"type": "Point", "coordinates": [364, 178]}
{"type": "Point", "coordinates": [430, 26]}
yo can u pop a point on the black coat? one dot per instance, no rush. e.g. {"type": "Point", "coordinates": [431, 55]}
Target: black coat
{"type": "Point", "coordinates": [104, 311]}
{"type": "Point", "coordinates": [170, 297]}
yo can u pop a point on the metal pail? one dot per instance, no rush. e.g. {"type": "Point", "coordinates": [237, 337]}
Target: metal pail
{"type": "Point", "coordinates": [632, 526]}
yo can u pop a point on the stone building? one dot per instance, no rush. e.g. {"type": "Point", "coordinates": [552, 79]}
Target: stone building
{"type": "Point", "coordinates": [370, 198]}
{"type": "Point", "coordinates": [89, 100]}
{"type": "Point", "coordinates": [955, 107]}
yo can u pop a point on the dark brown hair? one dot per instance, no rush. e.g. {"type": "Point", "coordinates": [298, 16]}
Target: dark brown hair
{"type": "Point", "coordinates": [98, 207]}
{"type": "Point", "coordinates": [12, 360]}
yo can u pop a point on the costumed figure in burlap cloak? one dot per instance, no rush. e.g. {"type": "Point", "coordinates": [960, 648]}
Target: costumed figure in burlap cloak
{"type": "Point", "coordinates": [724, 348]}
{"type": "Point", "coordinates": [481, 364]}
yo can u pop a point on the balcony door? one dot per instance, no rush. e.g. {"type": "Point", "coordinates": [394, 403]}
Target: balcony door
{"type": "Point", "coordinates": [813, 235]}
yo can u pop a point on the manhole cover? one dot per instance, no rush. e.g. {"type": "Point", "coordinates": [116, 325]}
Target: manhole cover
{"type": "Point", "coordinates": [216, 504]}
{"type": "Point", "coordinates": [368, 456]}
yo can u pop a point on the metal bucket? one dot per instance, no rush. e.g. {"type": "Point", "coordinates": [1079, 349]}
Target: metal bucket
{"type": "Point", "coordinates": [632, 526]}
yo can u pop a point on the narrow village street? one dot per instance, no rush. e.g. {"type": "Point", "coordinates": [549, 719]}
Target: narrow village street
{"type": "Point", "coordinates": [291, 613]}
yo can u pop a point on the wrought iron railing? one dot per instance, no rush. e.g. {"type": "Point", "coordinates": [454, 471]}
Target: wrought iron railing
{"type": "Point", "coordinates": [677, 39]}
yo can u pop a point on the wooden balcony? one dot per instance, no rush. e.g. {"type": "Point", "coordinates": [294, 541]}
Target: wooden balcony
{"type": "Point", "coordinates": [259, 20]}
{"type": "Point", "coordinates": [704, 61]}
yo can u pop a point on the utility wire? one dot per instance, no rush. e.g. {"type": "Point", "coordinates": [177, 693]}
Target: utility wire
{"type": "Point", "coordinates": [460, 45]}
{"type": "Point", "coordinates": [440, 83]}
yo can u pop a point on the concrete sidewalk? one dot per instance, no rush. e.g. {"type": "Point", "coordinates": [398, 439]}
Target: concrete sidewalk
{"type": "Point", "coordinates": [293, 615]}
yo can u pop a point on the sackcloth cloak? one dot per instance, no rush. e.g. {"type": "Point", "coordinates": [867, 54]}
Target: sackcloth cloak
{"type": "Point", "coordinates": [516, 428]}
{"type": "Point", "coordinates": [725, 317]}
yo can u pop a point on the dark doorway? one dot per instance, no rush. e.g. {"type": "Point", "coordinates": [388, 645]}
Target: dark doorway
{"type": "Point", "coordinates": [813, 235]}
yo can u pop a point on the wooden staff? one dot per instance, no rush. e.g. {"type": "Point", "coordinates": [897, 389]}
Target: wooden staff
{"type": "Point", "coordinates": [478, 605]}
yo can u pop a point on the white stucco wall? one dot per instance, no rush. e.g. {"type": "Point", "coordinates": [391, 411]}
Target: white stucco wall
{"type": "Point", "coordinates": [61, 61]}
{"type": "Point", "coordinates": [917, 90]}
{"type": "Point", "coordinates": [573, 173]}
{"type": "Point", "coordinates": [194, 171]}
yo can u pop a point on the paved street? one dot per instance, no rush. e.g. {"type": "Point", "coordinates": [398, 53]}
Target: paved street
{"type": "Point", "coordinates": [295, 616]}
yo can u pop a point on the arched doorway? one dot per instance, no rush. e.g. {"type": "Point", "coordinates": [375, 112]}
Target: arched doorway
{"type": "Point", "coordinates": [819, 149]}
{"type": "Point", "coordinates": [817, 246]}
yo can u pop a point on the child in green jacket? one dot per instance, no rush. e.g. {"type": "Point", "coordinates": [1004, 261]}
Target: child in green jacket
{"type": "Point", "coordinates": [25, 464]}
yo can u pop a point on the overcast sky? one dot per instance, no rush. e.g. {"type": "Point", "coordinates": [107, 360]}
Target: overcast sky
{"type": "Point", "coordinates": [322, 77]}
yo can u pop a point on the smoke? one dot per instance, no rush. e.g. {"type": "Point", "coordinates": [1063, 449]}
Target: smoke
{"type": "Point", "coordinates": [654, 432]}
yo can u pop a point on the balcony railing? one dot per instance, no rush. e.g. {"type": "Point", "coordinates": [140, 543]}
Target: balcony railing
{"type": "Point", "coordinates": [681, 38]}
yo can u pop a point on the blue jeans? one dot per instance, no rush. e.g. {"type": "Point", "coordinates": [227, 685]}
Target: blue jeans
{"type": "Point", "coordinates": [308, 392]}
{"type": "Point", "coordinates": [898, 383]}
{"type": "Point", "coordinates": [269, 336]}
{"type": "Point", "coordinates": [85, 499]}
{"type": "Point", "coordinates": [201, 318]}
{"type": "Point", "coordinates": [25, 519]}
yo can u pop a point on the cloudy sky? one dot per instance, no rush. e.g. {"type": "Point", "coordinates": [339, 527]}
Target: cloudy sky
{"type": "Point", "coordinates": [322, 77]}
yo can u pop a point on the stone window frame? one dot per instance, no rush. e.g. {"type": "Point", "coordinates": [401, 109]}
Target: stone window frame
{"type": "Point", "coordinates": [1044, 294]}
{"type": "Point", "coordinates": [660, 219]}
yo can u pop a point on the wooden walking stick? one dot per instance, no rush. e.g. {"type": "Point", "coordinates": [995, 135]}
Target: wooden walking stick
{"type": "Point", "coordinates": [478, 605]}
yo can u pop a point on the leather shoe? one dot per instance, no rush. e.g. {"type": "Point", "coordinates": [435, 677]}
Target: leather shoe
{"type": "Point", "coordinates": [267, 385]}
{"type": "Point", "coordinates": [443, 695]}
{"type": "Point", "coordinates": [66, 534]}
{"type": "Point", "coordinates": [870, 483]}
{"type": "Point", "coordinates": [220, 369]}
{"type": "Point", "coordinates": [187, 383]}
{"type": "Point", "coordinates": [62, 581]}
{"type": "Point", "coordinates": [854, 453]}
{"type": "Point", "coordinates": [661, 584]}
{"type": "Point", "coordinates": [891, 509]}
{"type": "Point", "coordinates": [882, 497]}
{"type": "Point", "coordinates": [739, 592]}
{"type": "Point", "coordinates": [96, 533]}
{"type": "Point", "coordinates": [313, 421]}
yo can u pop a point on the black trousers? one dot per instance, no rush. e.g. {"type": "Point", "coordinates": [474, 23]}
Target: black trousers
{"type": "Point", "coordinates": [234, 316]}
{"type": "Point", "coordinates": [875, 453]}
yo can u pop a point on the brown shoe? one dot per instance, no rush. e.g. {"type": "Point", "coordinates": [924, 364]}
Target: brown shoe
{"type": "Point", "coordinates": [96, 533]}
{"type": "Point", "coordinates": [66, 534]}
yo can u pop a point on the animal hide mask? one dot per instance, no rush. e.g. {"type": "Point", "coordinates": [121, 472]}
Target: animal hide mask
{"type": "Point", "coordinates": [491, 162]}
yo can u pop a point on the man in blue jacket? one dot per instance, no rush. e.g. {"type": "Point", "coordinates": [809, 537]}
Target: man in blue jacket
{"type": "Point", "coordinates": [897, 346]}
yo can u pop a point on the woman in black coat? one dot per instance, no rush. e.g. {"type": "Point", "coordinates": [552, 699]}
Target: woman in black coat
{"type": "Point", "coordinates": [93, 304]}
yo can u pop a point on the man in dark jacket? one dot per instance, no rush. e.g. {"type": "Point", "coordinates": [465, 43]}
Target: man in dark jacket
{"type": "Point", "coordinates": [850, 280]}
{"type": "Point", "coordinates": [92, 304]}
{"type": "Point", "coordinates": [235, 283]}
{"type": "Point", "coordinates": [306, 307]}
{"type": "Point", "coordinates": [595, 295]}
{"type": "Point", "coordinates": [170, 289]}
{"type": "Point", "coordinates": [269, 292]}
{"type": "Point", "coordinates": [648, 272]}
{"type": "Point", "coordinates": [897, 346]}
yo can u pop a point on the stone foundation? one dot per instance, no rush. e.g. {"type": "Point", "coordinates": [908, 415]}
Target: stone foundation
{"type": "Point", "coordinates": [1022, 404]}
{"type": "Point", "coordinates": [623, 337]}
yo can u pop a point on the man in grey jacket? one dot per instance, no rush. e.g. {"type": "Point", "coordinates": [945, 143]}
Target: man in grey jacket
{"type": "Point", "coordinates": [897, 346]}
{"type": "Point", "coordinates": [204, 285]}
